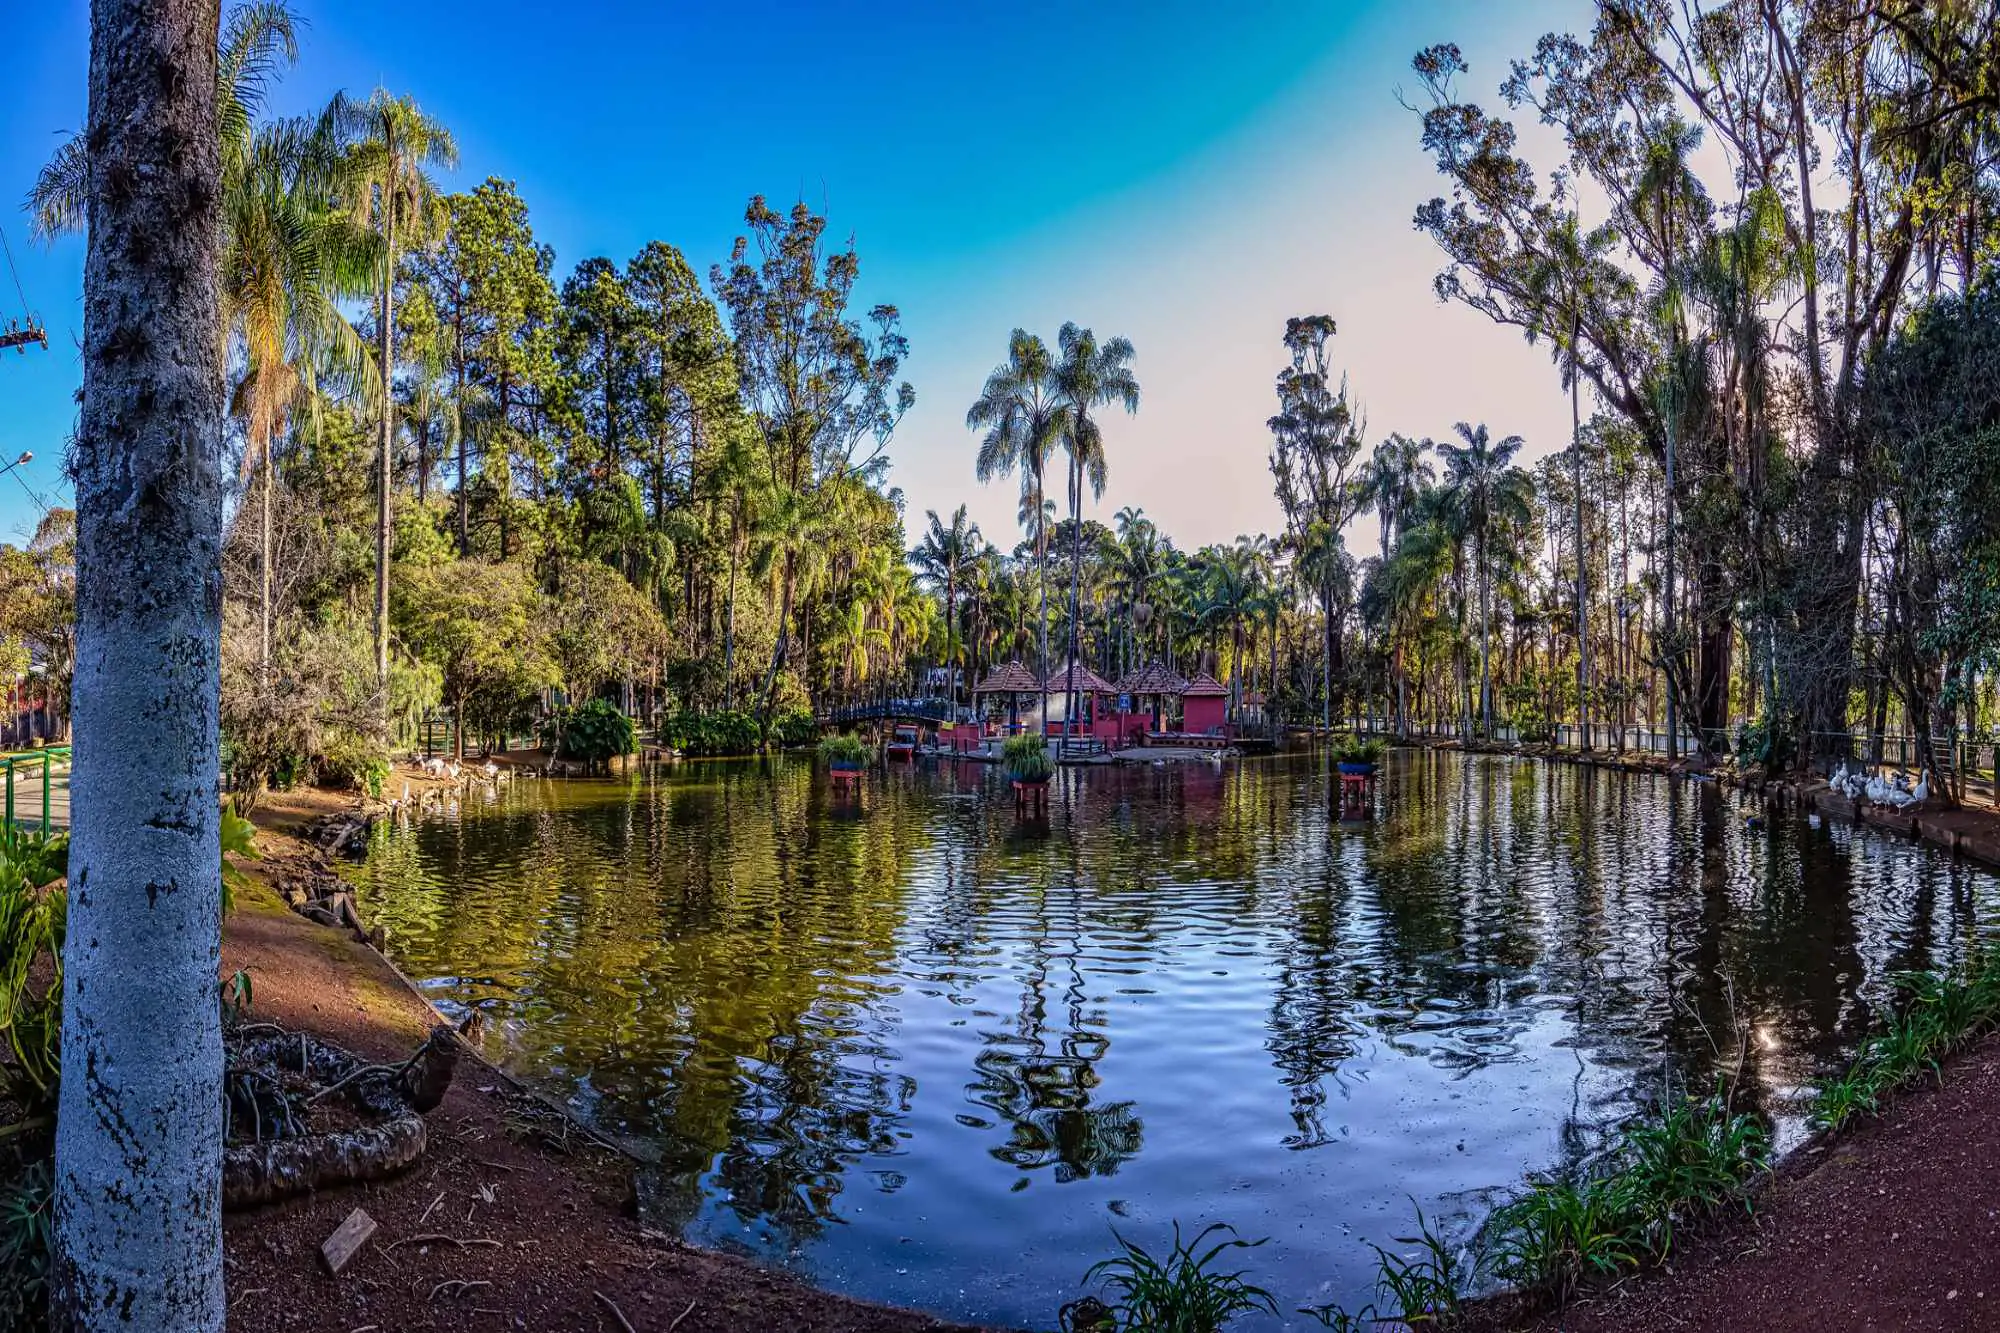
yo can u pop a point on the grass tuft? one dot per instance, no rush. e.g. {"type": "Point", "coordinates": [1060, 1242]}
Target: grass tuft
{"type": "Point", "coordinates": [1181, 1293]}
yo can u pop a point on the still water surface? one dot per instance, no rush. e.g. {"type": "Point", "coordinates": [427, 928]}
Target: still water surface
{"type": "Point", "coordinates": [923, 1052]}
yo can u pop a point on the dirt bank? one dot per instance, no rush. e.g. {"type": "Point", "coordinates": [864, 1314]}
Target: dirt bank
{"type": "Point", "coordinates": [537, 1235]}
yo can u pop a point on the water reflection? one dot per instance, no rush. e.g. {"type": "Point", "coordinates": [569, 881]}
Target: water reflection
{"type": "Point", "coordinates": [929, 1051]}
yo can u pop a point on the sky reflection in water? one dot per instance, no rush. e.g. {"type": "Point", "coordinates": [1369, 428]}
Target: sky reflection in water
{"type": "Point", "coordinates": [931, 1055]}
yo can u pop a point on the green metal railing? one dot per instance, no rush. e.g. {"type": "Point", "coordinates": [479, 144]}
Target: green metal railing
{"type": "Point", "coordinates": [29, 760]}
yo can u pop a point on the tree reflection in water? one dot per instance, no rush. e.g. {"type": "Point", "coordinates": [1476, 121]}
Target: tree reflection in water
{"type": "Point", "coordinates": [930, 1050]}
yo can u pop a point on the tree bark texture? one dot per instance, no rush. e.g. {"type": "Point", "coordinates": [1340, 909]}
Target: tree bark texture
{"type": "Point", "coordinates": [137, 1214]}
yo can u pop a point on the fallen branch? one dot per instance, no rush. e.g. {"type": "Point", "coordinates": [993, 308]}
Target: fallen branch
{"type": "Point", "coordinates": [616, 1313]}
{"type": "Point", "coordinates": [438, 1237]}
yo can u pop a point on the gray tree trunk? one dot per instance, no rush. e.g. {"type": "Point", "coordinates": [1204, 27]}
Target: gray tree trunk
{"type": "Point", "coordinates": [137, 1216]}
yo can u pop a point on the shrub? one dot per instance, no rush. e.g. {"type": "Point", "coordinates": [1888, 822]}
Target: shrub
{"type": "Point", "coordinates": [794, 727]}
{"type": "Point", "coordinates": [352, 760]}
{"type": "Point", "coordinates": [702, 734]}
{"type": "Point", "coordinates": [1766, 742]}
{"type": "Point", "coordinates": [1940, 1014]}
{"type": "Point", "coordinates": [848, 750]}
{"type": "Point", "coordinates": [593, 732]}
{"type": "Point", "coordinates": [1027, 759]}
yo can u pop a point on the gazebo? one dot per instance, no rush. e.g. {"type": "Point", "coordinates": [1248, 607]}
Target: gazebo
{"type": "Point", "coordinates": [1204, 706]}
{"type": "Point", "coordinates": [1088, 686]}
{"type": "Point", "coordinates": [1153, 680]}
{"type": "Point", "coordinates": [1012, 680]}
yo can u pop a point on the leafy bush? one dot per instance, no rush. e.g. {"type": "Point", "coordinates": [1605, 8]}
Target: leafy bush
{"type": "Point", "coordinates": [352, 760]}
{"type": "Point", "coordinates": [794, 727]}
{"type": "Point", "coordinates": [1766, 742]}
{"type": "Point", "coordinates": [849, 751]}
{"type": "Point", "coordinates": [703, 734]}
{"type": "Point", "coordinates": [1352, 749]}
{"type": "Point", "coordinates": [593, 732]}
{"type": "Point", "coordinates": [1181, 1293]}
{"type": "Point", "coordinates": [1027, 759]}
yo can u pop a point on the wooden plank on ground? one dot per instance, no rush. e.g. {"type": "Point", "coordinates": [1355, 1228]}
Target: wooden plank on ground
{"type": "Point", "coordinates": [348, 1237]}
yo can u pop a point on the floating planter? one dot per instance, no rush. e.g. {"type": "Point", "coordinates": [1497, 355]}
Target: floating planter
{"type": "Point", "coordinates": [1029, 769]}
{"type": "Point", "coordinates": [845, 757]}
{"type": "Point", "coordinates": [1357, 757]}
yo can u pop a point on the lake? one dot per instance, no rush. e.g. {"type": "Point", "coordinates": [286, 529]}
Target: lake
{"type": "Point", "coordinates": [923, 1051]}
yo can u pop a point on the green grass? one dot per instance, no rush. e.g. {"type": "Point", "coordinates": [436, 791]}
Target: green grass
{"type": "Point", "coordinates": [1939, 1015]}
{"type": "Point", "coordinates": [1184, 1292]}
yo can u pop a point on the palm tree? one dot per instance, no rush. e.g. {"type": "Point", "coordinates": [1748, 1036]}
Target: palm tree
{"type": "Point", "coordinates": [947, 556]}
{"type": "Point", "coordinates": [137, 1212]}
{"type": "Point", "coordinates": [1390, 482]}
{"type": "Point", "coordinates": [1087, 376]}
{"type": "Point", "coordinates": [393, 145]}
{"type": "Point", "coordinates": [1133, 558]}
{"type": "Point", "coordinates": [288, 258]}
{"type": "Point", "coordinates": [1024, 420]}
{"type": "Point", "coordinates": [258, 39]}
{"type": "Point", "coordinates": [1487, 490]}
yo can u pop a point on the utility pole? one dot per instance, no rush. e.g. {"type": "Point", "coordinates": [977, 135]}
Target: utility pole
{"type": "Point", "coordinates": [21, 339]}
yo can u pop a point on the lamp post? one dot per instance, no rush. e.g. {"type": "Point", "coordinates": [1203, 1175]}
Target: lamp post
{"type": "Point", "coordinates": [25, 459]}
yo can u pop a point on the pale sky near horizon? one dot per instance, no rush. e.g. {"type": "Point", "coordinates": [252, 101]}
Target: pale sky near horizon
{"type": "Point", "coordinates": [1187, 175]}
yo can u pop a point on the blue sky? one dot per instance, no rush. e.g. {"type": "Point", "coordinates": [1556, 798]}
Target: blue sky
{"type": "Point", "coordinates": [1186, 174]}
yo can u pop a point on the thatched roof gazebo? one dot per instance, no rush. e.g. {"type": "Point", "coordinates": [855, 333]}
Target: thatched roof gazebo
{"type": "Point", "coordinates": [1155, 680]}
{"type": "Point", "coordinates": [1013, 680]}
{"type": "Point", "coordinates": [1080, 678]}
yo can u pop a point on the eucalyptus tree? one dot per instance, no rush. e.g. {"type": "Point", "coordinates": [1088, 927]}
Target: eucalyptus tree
{"type": "Point", "coordinates": [1316, 436]}
{"type": "Point", "coordinates": [1025, 420]}
{"type": "Point", "coordinates": [393, 146]}
{"type": "Point", "coordinates": [820, 388]}
{"type": "Point", "coordinates": [137, 1227]}
{"type": "Point", "coordinates": [1088, 376]}
{"type": "Point", "coordinates": [1842, 115]}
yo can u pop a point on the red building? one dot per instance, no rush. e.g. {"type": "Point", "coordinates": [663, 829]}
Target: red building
{"type": "Point", "coordinates": [1205, 706]}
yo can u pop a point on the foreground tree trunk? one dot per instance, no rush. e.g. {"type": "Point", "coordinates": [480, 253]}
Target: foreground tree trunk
{"type": "Point", "coordinates": [137, 1216]}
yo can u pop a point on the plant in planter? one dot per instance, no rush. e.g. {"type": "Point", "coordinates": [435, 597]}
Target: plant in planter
{"type": "Point", "coordinates": [844, 754]}
{"type": "Point", "coordinates": [1027, 759]}
{"type": "Point", "coordinates": [1358, 754]}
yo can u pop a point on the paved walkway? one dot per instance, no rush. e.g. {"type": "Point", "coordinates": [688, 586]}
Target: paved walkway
{"type": "Point", "coordinates": [28, 795]}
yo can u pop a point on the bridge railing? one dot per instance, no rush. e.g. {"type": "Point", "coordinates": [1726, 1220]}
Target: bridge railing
{"type": "Point", "coordinates": [936, 711]}
{"type": "Point", "coordinates": [28, 765]}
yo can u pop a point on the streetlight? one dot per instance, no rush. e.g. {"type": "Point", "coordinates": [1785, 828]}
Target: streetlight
{"type": "Point", "coordinates": [25, 459]}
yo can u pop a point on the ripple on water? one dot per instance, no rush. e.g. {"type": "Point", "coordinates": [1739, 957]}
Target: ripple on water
{"type": "Point", "coordinates": [929, 1056]}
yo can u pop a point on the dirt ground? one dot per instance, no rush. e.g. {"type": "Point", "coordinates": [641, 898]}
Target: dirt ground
{"type": "Point", "coordinates": [494, 1228]}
